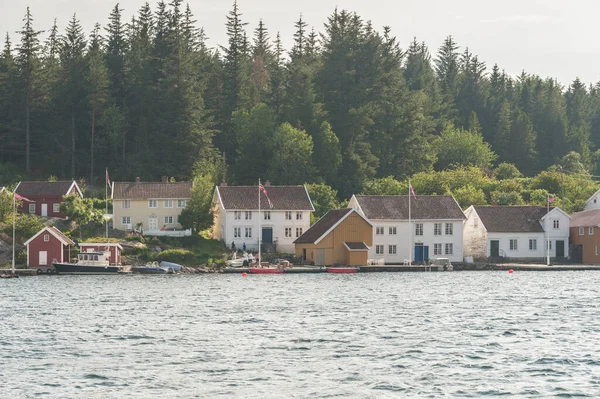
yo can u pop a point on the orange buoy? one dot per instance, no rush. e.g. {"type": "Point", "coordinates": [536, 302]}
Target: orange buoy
{"type": "Point", "coordinates": [510, 271]}
{"type": "Point", "coordinates": [244, 274]}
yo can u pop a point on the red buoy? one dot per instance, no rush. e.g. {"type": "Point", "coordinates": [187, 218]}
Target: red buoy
{"type": "Point", "coordinates": [244, 274]}
{"type": "Point", "coordinates": [510, 271]}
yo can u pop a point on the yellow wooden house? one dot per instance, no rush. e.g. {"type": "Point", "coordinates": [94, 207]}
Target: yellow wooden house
{"type": "Point", "coordinates": [341, 237]}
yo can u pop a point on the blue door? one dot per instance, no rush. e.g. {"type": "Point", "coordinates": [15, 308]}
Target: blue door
{"type": "Point", "coordinates": [267, 235]}
{"type": "Point", "coordinates": [419, 253]}
{"type": "Point", "coordinates": [426, 253]}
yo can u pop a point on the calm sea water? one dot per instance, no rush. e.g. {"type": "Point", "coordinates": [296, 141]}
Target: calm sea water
{"type": "Point", "coordinates": [425, 335]}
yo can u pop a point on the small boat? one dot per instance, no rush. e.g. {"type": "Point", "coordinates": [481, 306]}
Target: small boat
{"type": "Point", "coordinates": [265, 270]}
{"type": "Point", "coordinates": [176, 267]}
{"type": "Point", "coordinates": [153, 268]}
{"type": "Point", "coordinates": [342, 270]}
{"type": "Point", "coordinates": [89, 263]}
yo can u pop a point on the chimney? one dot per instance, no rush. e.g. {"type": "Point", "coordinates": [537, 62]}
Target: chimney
{"type": "Point", "coordinates": [223, 184]}
{"type": "Point", "coordinates": [137, 179]}
{"type": "Point", "coordinates": [164, 179]}
{"type": "Point", "coordinates": [267, 183]}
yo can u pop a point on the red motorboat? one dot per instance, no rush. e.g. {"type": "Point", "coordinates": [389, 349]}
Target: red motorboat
{"type": "Point", "coordinates": [344, 270]}
{"type": "Point", "coordinates": [265, 270]}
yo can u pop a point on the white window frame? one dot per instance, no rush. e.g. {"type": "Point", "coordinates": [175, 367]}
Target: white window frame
{"type": "Point", "coordinates": [379, 231]}
{"type": "Point", "coordinates": [392, 249]}
{"type": "Point", "coordinates": [513, 244]}
{"type": "Point", "coordinates": [298, 215]}
{"type": "Point", "coordinates": [46, 237]}
{"type": "Point", "coordinates": [55, 208]}
{"type": "Point", "coordinates": [581, 231]}
{"type": "Point", "coordinates": [533, 244]}
{"type": "Point", "coordinates": [31, 208]}
{"type": "Point", "coordinates": [125, 204]}
{"type": "Point", "coordinates": [181, 203]}
{"type": "Point", "coordinates": [556, 224]}
{"type": "Point", "coordinates": [168, 203]}
{"type": "Point", "coordinates": [419, 229]}
{"type": "Point", "coordinates": [379, 250]}
{"type": "Point", "coordinates": [168, 219]}
{"type": "Point", "coordinates": [125, 220]}
{"type": "Point", "coordinates": [237, 232]}
{"type": "Point", "coordinates": [591, 230]}
{"type": "Point", "coordinates": [449, 249]}
{"type": "Point", "coordinates": [248, 232]}
{"type": "Point", "coordinates": [288, 232]}
{"type": "Point", "coordinates": [248, 215]}
{"type": "Point", "coordinates": [392, 231]}
{"type": "Point", "coordinates": [152, 203]}
{"type": "Point", "coordinates": [298, 231]}
{"type": "Point", "coordinates": [437, 229]}
{"type": "Point", "coordinates": [449, 229]}
{"type": "Point", "coordinates": [237, 215]}
{"type": "Point", "coordinates": [437, 249]}
{"type": "Point", "coordinates": [288, 215]}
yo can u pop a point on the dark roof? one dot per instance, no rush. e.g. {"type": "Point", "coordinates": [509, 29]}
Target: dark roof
{"type": "Point", "coordinates": [357, 246]}
{"type": "Point", "coordinates": [62, 235]}
{"type": "Point", "coordinates": [395, 207]}
{"type": "Point", "coordinates": [283, 198]}
{"type": "Point", "coordinates": [144, 191]}
{"type": "Point", "coordinates": [40, 188]}
{"type": "Point", "coordinates": [323, 225]}
{"type": "Point", "coordinates": [586, 218]}
{"type": "Point", "coordinates": [512, 219]}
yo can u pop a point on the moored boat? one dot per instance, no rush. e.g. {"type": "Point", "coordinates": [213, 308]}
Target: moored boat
{"type": "Point", "coordinates": [152, 268]}
{"type": "Point", "coordinates": [89, 263]}
{"type": "Point", "coordinates": [342, 270]}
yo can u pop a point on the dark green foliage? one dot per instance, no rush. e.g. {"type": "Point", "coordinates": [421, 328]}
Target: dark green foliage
{"type": "Point", "coordinates": [180, 256]}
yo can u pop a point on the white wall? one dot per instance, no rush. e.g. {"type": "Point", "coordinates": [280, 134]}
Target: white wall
{"type": "Point", "coordinates": [474, 235]}
{"type": "Point", "coordinates": [593, 202]}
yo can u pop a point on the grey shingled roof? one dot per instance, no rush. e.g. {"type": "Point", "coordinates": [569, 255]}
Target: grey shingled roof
{"type": "Point", "coordinates": [395, 207]}
{"type": "Point", "coordinates": [151, 190]}
{"type": "Point", "coordinates": [512, 219]}
{"type": "Point", "coordinates": [292, 198]}
{"type": "Point", "coordinates": [317, 230]}
{"type": "Point", "coordinates": [357, 246]}
{"type": "Point", "coordinates": [586, 218]}
{"type": "Point", "coordinates": [39, 188]}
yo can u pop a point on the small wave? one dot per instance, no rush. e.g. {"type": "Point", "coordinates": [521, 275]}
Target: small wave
{"type": "Point", "coordinates": [95, 377]}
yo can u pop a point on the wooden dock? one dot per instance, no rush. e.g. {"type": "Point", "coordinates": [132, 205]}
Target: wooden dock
{"type": "Point", "coordinates": [19, 272]}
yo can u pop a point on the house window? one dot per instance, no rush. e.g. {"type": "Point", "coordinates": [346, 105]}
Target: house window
{"type": "Point", "coordinates": [168, 203]}
{"type": "Point", "coordinates": [581, 231]}
{"type": "Point", "coordinates": [181, 203]}
{"type": "Point", "coordinates": [288, 215]}
{"type": "Point", "coordinates": [391, 249]}
{"type": "Point", "coordinates": [56, 208]}
{"type": "Point", "coordinates": [437, 229]}
{"type": "Point", "coordinates": [248, 215]}
{"type": "Point", "coordinates": [288, 232]}
{"type": "Point", "coordinates": [449, 249]}
{"type": "Point", "coordinates": [126, 204]}
{"type": "Point", "coordinates": [379, 231]}
{"type": "Point", "coordinates": [298, 215]}
{"type": "Point", "coordinates": [46, 237]}
{"type": "Point", "coordinates": [237, 232]}
{"type": "Point", "coordinates": [379, 249]}
{"type": "Point", "coordinates": [392, 231]}
{"type": "Point", "coordinates": [31, 208]}
{"type": "Point", "coordinates": [437, 249]}
{"type": "Point", "coordinates": [591, 230]}
{"type": "Point", "coordinates": [556, 224]}
{"type": "Point", "coordinates": [168, 219]}
{"type": "Point", "coordinates": [513, 245]}
{"type": "Point", "coordinates": [125, 220]}
{"type": "Point", "coordinates": [237, 215]}
{"type": "Point", "coordinates": [449, 229]}
{"type": "Point", "coordinates": [248, 232]}
{"type": "Point", "coordinates": [152, 204]}
{"type": "Point", "coordinates": [298, 231]}
{"type": "Point", "coordinates": [419, 229]}
{"type": "Point", "coordinates": [533, 245]}
{"type": "Point", "coordinates": [267, 215]}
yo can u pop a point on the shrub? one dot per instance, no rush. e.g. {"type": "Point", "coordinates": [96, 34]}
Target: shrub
{"type": "Point", "coordinates": [182, 256]}
{"type": "Point", "coordinates": [133, 238]}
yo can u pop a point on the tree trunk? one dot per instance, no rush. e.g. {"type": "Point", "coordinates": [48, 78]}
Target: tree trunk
{"type": "Point", "coordinates": [92, 149]}
{"type": "Point", "coordinates": [72, 141]}
{"type": "Point", "coordinates": [27, 159]}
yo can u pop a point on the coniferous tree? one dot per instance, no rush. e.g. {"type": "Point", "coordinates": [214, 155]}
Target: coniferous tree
{"type": "Point", "coordinates": [448, 74]}
{"type": "Point", "coordinates": [8, 91]}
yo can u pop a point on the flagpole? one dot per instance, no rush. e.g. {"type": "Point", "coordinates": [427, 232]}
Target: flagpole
{"type": "Point", "coordinates": [547, 231]}
{"type": "Point", "coordinates": [14, 228]}
{"type": "Point", "coordinates": [259, 230]}
{"type": "Point", "coordinates": [410, 244]}
{"type": "Point", "coordinates": [106, 206]}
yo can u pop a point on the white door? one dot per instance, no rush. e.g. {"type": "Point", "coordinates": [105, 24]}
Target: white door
{"type": "Point", "coordinates": [153, 223]}
{"type": "Point", "coordinates": [44, 209]}
{"type": "Point", "coordinates": [43, 257]}
{"type": "Point", "coordinates": [320, 257]}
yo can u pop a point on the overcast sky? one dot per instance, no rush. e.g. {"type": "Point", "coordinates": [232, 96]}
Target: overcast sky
{"type": "Point", "coordinates": [556, 38]}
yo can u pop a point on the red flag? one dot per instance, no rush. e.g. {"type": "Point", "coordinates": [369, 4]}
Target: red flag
{"type": "Point", "coordinates": [264, 190]}
{"type": "Point", "coordinates": [107, 178]}
{"type": "Point", "coordinates": [20, 197]}
{"type": "Point", "coordinates": [412, 191]}
{"type": "Point", "coordinates": [550, 200]}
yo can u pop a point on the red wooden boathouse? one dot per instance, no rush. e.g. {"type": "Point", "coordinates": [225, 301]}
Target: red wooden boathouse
{"type": "Point", "coordinates": [49, 245]}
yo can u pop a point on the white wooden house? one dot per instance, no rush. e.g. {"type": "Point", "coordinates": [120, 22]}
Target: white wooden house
{"type": "Point", "coordinates": [236, 216]}
{"type": "Point", "coordinates": [593, 202]}
{"type": "Point", "coordinates": [435, 229]}
{"type": "Point", "coordinates": [516, 232]}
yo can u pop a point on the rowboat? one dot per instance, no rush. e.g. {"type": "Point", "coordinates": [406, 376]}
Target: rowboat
{"type": "Point", "coordinates": [265, 270]}
{"type": "Point", "coordinates": [342, 270]}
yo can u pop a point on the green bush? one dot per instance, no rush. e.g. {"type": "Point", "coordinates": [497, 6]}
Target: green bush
{"type": "Point", "coordinates": [133, 238]}
{"type": "Point", "coordinates": [182, 256]}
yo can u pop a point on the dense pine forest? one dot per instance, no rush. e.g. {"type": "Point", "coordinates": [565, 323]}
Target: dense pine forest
{"type": "Point", "coordinates": [348, 106]}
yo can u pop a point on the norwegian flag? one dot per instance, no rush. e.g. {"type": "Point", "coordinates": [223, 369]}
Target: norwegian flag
{"type": "Point", "coordinates": [550, 199]}
{"type": "Point", "coordinates": [20, 197]}
{"type": "Point", "coordinates": [264, 190]}
{"type": "Point", "coordinates": [107, 178]}
{"type": "Point", "coordinates": [412, 191]}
